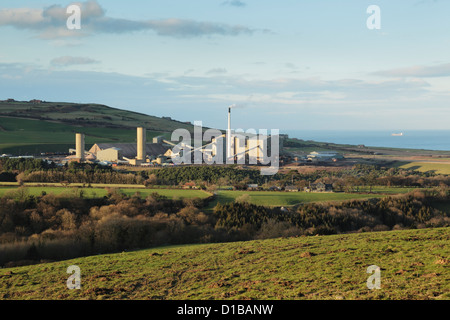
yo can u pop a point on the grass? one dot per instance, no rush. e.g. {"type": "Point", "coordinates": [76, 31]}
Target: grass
{"type": "Point", "coordinates": [101, 192]}
{"type": "Point", "coordinates": [264, 198]}
{"type": "Point", "coordinates": [439, 168]}
{"type": "Point", "coordinates": [387, 190]}
{"type": "Point", "coordinates": [32, 136]}
{"type": "Point", "coordinates": [414, 265]}
{"type": "Point", "coordinates": [85, 113]}
{"type": "Point", "coordinates": [281, 198]}
{"type": "Point", "coordinates": [26, 128]}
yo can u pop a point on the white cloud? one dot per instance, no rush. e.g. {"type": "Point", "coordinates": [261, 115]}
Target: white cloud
{"type": "Point", "coordinates": [217, 71]}
{"type": "Point", "coordinates": [50, 23]}
{"type": "Point", "coordinates": [234, 3]}
{"type": "Point", "coordinates": [69, 61]}
{"type": "Point", "coordinates": [441, 70]}
{"type": "Point", "coordinates": [343, 102]}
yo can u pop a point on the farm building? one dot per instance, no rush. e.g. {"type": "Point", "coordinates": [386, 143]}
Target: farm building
{"type": "Point", "coordinates": [323, 156]}
{"type": "Point", "coordinates": [319, 187]}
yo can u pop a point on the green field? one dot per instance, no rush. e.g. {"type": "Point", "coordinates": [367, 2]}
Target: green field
{"type": "Point", "coordinates": [263, 198]}
{"type": "Point", "coordinates": [439, 168]}
{"type": "Point", "coordinates": [387, 190]}
{"type": "Point", "coordinates": [414, 265]}
{"type": "Point", "coordinates": [22, 136]}
{"type": "Point", "coordinates": [101, 192]}
{"type": "Point", "coordinates": [281, 198]}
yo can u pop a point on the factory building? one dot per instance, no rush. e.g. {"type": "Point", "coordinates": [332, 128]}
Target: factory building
{"type": "Point", "coordinates": [132, 153]}
{"type": "Point", "coordinates": [233, 147]}
{"type": "Point", "coordinates": [113, 154]}
{"type": "Point", "coordinates": [243, 149]}
{"type": "Point", "coordinates": [240, 147]}
{"type": "Point", "coordinates": [128, 150]}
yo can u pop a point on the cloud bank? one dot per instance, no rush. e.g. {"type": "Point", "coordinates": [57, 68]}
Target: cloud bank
{"type": "Point", "coordinates": [442, 70]}
{"type": "Point", "coordinates": [234, 3]}
{"type": "Point", "coordinates": [50, 23]}
{"type": "Point", "coordinates": [70, 61]}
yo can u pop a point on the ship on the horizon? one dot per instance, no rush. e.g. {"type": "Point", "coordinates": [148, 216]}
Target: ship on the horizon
{"type": "Point", "coordinates": [397, 134]}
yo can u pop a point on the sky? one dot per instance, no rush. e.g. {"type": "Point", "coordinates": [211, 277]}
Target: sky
{"type": "Point", "coordinates": [287, 64]}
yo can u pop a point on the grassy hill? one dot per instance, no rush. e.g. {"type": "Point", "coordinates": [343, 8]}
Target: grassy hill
{"type": "Point", "coordinates": [414, 265]}
{"type": "Point", "coordinates": [436, 167]}
{"type": "Point", "coordinates": [277, 198]}
{"type": "Point", "coordinates": [30, 128]}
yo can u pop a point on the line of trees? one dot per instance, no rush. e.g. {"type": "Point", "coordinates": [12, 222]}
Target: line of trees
{"type": "Point", "coordinates": [348, 180]}
{"type": "Point", "coordinates": [24, 164]}
{"type": "Point", "coordinates": [220, 175]}
{"type": "Point", "coordinates": [412, 210]}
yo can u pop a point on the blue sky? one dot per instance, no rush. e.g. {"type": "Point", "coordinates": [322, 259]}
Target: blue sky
{"type": "Point", "coordinates": [288, 64]}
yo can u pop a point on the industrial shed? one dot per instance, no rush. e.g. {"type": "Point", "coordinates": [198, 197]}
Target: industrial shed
{"type": "Point", "coordinates": [129, 150]}
{"type": "Point", "coordinates": [111, 154]}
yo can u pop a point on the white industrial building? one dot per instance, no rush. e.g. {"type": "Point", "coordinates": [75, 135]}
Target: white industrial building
{"type": "Point", "coordinates": [239, 147]}
{"type": "Point", "coordinates": [111, 154]}
{"type": "Point", "coordinates": [132, 153]}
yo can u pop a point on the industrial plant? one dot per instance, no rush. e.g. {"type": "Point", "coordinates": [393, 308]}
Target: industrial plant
{"type": "Point", "coordinates": [231, 147]}
{"type": "Point", "coordinates": [136, 154]}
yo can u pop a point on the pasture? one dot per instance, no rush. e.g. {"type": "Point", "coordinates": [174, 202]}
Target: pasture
{"type": "Point", "coordinates": [436, 167]}
{"type": "Point", "coordinates": [16, 192]}
{"type": "Point", "coordinates": [282, 198]}
{"type": "Point", "coordinates": [414, 265]}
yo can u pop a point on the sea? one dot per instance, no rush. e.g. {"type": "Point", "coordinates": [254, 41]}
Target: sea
{"type": "Point", "coordinates": [414, 139]}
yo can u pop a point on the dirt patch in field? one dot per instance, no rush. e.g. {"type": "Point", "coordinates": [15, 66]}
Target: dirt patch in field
{"type": "Point", "coordinates": [246, 251]}
{"type": "Point", "coordinates": [441, 261]}
{"type": "Point", "coordinates": [308, 254]}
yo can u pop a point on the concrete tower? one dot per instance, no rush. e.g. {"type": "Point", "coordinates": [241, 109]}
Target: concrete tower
{"type": "Point", "coordinates": [229, 152]}
{"type": "Point", "coordinates": [79, 146]}
{"type": "Point", "coordinates": [141, 140]}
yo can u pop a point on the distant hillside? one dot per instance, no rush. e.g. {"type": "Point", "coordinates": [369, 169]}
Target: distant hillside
{"type": "Point", "coordinates": [35, 127]}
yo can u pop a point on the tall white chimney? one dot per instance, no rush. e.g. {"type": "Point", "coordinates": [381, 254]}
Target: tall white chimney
{"type": "Point", "coordinates": [229, 153]}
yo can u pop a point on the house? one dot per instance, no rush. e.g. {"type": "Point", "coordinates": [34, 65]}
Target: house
{"type": "Point", "coordinates": [319, 187]}
{"type": "Point", "coordinates": [189, 185]}
{"type": "Point", "coordinates": [291, 189]}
